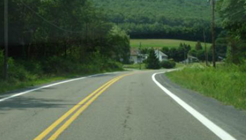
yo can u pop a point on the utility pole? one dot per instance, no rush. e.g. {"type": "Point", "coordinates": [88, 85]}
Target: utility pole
{"type": "Point", "coordinates": [205, 44]}
{"type": "Point", "coordinates": [184, 51]}
{"type": "Point", "coordinates": [140, 57]}
{"type": "Point", "coordinates": [213, 31]}
{"type": "Point", "coordinates": [6, 39]}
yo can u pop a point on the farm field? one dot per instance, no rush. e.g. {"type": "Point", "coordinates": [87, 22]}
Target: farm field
{"type": "Point", "coordinates": [159, 43]}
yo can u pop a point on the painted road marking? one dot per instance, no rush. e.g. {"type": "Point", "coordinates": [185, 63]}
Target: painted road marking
{"type": "Point", "coordinates": [51, 85]}
{"type": "Point", "coordinates": [80, 107]}
{"type": "Point", "coordinates": [222, 134]}
{"type": "Point", "coordinates": [57, 122]}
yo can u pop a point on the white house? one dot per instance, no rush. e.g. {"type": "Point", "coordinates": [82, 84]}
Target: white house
{"type": "Point", "coordinates": [161, 56]}
{"type": "Point", "coordinates": [191, 59]}
{"type": "Point", "coordinates": [134, 56]}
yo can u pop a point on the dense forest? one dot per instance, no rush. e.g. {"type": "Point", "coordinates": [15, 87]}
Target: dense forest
{"type": "Point", "coordinates": [46, 28]}
{"type": "Point", "coordinates": [60, 37]}
{"type": "Point", "coordinates": [178, 19]}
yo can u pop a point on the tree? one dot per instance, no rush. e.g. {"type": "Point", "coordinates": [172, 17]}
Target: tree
{"type": "Point", "coordinates": [152, 61]}
{"type": "Point", "coordinates": [233, 15]}
{"type": "Point", "coordinates": [55, 33]}
{"type": "Point", "coordinates": [198, 46]}
{"type": "Point", "coordinates": [173, 53]}
{"type": "Point", "coordinates": [118, 45]}
{"type": "Point", "coordinates": [165, 50]}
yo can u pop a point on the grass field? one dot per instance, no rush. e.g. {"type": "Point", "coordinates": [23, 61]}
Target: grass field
{"type": "Point", "coordinates": [159, 43]}
{"type": "Point", "coordinates": [135, 66]}
{"type": "Point", "coordinates": [225, 83]}
{"type": "Point", "coordinates": [8, 86]}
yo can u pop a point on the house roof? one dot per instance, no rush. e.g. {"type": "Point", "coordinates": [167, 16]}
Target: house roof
{"type": "Point", "coordinates": [134, 52]}
{"type": "Point", "coordinates": [160, 53]}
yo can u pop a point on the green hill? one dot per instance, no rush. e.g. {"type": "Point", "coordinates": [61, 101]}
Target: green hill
{"type": "Point", "coordinates": [172, 9]}
{"type": "Point", "coordinates": [182, 19]}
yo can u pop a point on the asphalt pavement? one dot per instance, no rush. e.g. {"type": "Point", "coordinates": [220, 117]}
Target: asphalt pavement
{"type": "Point", "coordinates": [130, 106]}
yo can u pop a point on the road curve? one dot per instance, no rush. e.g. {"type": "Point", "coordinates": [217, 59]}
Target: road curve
{"type": "Point", "coordinates": [115, 106]}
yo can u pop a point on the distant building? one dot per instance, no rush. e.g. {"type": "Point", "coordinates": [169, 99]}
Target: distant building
{"type": "Point", "coordinates": [191, 59]}
{"type": "Point", "coordinates": [134, 56]}
{"type": "Point", "coordinates": [161, 56]}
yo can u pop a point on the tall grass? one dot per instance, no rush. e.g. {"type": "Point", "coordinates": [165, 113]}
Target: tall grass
{"type": "Point", "coordinates": [227, 83]}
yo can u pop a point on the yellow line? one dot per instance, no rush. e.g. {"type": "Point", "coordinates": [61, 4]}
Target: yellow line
{"type": "Point", "coordinates": [76, 114]}
{"type": "Point", "coordinates": [57, 122]}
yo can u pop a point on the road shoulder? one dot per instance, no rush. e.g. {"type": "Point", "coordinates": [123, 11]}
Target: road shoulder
{"type": "Point", "coordinates": [230, 119]}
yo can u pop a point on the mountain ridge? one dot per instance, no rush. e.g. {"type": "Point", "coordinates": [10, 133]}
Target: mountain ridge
{"type": "Point", "coordinates": [167, 15]}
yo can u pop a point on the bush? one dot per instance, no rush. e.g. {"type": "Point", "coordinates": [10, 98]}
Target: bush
{"type": "Point", "coordinates": [168, 64]}
{"type": "Point", "coordinates": [15, 71]}
{"type": "Point", "coordinates": [28, 73]}
{"type": "Point", "coordinates": [58, 65]}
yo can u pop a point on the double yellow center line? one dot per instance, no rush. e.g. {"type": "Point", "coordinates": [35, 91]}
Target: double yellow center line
{"type": "Point", "coordinates": [74, 112]}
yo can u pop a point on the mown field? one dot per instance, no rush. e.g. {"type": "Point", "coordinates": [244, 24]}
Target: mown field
{"type": "Point", "coordinates": [135, 66]}
{"type": "Point", "coordinates": [159, 43]}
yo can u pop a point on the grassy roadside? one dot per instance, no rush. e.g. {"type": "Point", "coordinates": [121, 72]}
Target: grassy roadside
{"type": "Point", "coordinates": [8, 86]}
{"type": "Point", "coordinates": [227, 83]}
{"type": "Point", "coordinates": [23, 74]}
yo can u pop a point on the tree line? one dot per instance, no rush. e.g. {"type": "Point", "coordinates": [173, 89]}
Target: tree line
{"type": "Point", "coordinates": [51, 33]}
{"type": "Point", "coordinates": [173, 19]}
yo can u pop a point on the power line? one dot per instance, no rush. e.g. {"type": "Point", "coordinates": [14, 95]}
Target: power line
{"type": "Point", "coordinates": [49, 22]}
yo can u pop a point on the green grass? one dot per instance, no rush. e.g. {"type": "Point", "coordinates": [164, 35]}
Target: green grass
{"type": "Point", "coordinates": [225, 83]}
{"type": "Point", "coordinates": [179, 65]}
{"type": "Point", "coordinates": [6, 86]}
{"type": "Point", "coordinates": [159, 43]}
{"type": "Point", "coordinates": [135, 66]}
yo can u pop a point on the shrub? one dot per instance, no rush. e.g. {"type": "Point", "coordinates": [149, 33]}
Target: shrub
{"type": "Point", "coordinates": [168, 64]}
{"type": "Point", "coordinates": [26, 73]}
{"type": "Point", "coordinates": [58, 65]}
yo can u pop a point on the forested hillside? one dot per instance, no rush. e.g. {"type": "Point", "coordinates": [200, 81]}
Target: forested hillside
{"type": "Point", "coordinates": [182, 19]}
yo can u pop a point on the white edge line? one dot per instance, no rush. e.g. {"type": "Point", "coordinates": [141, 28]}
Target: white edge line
{"type": "Point", "coordinates": [52, 85]}
{"type": "Point", "coordinates": [222, 134]}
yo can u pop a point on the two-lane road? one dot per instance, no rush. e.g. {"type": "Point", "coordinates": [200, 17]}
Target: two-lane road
{"type": "Point", "coordinates": [117, 106]}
